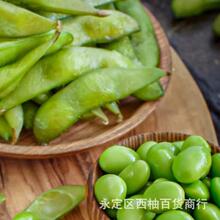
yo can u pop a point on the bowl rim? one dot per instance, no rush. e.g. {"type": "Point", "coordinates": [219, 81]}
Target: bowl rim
{"type": "Point", "coordinates": [140, 139]}
{"type": "Point", "coordinates": [145, 109]}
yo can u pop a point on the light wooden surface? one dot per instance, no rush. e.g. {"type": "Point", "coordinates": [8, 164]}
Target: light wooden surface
{"type": "Point", "coordinates": [182, 110]}
{"type": "Point", "coordinates": [76, 139]}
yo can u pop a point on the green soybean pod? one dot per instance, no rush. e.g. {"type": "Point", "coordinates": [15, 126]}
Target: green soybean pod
{"type": "Point", "coordinates": [192, 164]}
{"type": "Point", "coordinates": [19, 22]}
{"type": "Point", "coordinates": [197, 190]}
{"type": "Point", "coordinates": [216, 26]}
{"type": "Point", "coordinates": [5, 130]}
{"type": "Point", "coordinates": [15, 72]}
{"type": "Point", "coordinates": [135, 175]}
{"type": "Point", "coordinates": [190, 8]}
{"type": "Point", "coordinates": [43, 97]}
{"type": "Point", "coordinates": [215, 168]}
{"type": "Point", "coordinates": [99, 2]}
{"type": "Point", "coordinates": [54, 203]}
{"type": "Point", "coordinates": [12, 50]}
{"type": "Point", "coordinates": [174, 215]}
{"type": "Point", "coordinates": [91, 90]}
{"type": "Point", "coordinates": [15, 119]}
{"type": "Point", "coordinates": [215, 190]}
{"type": "Point", "coordinates": [145, 45]}
{"type": "Point", "coordinates": [50, 72]}
{"type": "Point", "coordinates": [75, 7]}
{"type": "Point", "coordinates": [25, 216]}
{"type": "Point", "coordinates": [210, 212]}
{"type": "Point", "coordinates": [30, 110]}
{"type": "Point", "coordinates": [87, 30]}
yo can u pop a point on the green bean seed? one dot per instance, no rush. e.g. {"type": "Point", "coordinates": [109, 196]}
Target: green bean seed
{"type": "Point", "coordinates": [215, 190]}
{"type": "Point", "coordinates": [110, 187]}
{"type": "Point", "coordinates": [193, 141]}
{"type": "Point", "coordinates": [215, 169]}
{"type": "Point", "coordinates": [116, 158]}
{"type": "Point", "coordinates": [144, 148]}
{"type": "Point", "coordinates": [160, 159]}
{"type": "Point", "coordinates": [164, 190]}
{"type": "Point", "coordinates": [197, 190]}
{"type": "Point", "coordinates": [135, 175]}
{"type": "Point", "coordinates": [210, 212]}
{"type": "Point", "coordinates": [192, 164]}
{"type": "Point", "coordinates": [174, 215]}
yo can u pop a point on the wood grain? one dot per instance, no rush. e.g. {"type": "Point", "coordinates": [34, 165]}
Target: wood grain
{"type": "Point", "coordinates": [133, 142]}
{"type": "Point", "coordinates": [182, 110]}
{"type": "Point", "coordinates": [76, 139]}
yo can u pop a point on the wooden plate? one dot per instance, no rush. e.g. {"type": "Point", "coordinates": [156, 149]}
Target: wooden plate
{"type": "Point", "coordinates": [87, 134]}
{"type": "Point", "coordinates": [134, 142]}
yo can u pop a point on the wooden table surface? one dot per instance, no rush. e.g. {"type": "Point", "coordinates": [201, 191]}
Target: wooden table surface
{"type": "Point", "coordinates": [182, 109]}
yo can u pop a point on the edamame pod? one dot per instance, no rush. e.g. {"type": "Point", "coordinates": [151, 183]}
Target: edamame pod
{"type": "Point", "coordinates": [99, 2]}
{"type": "Point", "coordinates": [15, 119]}
{"type": "Point", "coordinates": [76, 7]}
{"type": "Point", "coordinates": [59, 69]}
{"type": "Point", "coordinates": [5, 129]}
{"type": "Point", "coordinates": [40, 99]}
{"type": "Point", "coordinates": [113, 107]}
{"type": "Point", "coordinates": [16, 71]}
{"type": "Point", "coordinates": [100, 114]}
{"type": "Point", "coordinates": [91, 29]}
{"type": "Point", "coordinates": [30, 110]}
{"type": "Point", "coordinates": [123, 46]}
{"type": "Point", "coordinates": [25, 216]}
{"type": "Point", "coordinates": [19, 22]}
{"type": "Point", "coordinates": [145, 45]}
{"type": "Point", "coordinates": [216, 26]}
{"type": "Point", "coordinates": [56, 202]}
{"type": "Point", "coordinates": [53, 16]}
{"type": "Point", "coordinates": [12, 50]}
{"type": "Point", "coordinates": [190, 8]}
{"type": "Point", "coordinates": [86, 93]}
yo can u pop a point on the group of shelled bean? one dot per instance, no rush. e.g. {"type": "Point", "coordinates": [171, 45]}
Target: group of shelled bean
{"type": "Point", "coordinates": [62, 61]}
{"type": "Point", "coordinates": [162, 181]}
{"type": "Point", "coordinates": [189, 8]}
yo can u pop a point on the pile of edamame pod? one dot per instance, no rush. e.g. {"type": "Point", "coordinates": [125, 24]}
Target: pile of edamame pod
{"type": "Point", "coordinates": [189, 8]}
{"type": "Point", "coordinates": [162, 181]}
{"type": "Point", "coordinates": [62, 61]}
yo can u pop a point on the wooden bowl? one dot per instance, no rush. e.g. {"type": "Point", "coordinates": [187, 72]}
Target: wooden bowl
{"type": "Point", "coordinates": [87, 134]}
{"type": "Point", "coordinates": [94, 212]}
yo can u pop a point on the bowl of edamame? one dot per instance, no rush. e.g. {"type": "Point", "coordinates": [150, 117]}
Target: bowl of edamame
{"type": "Point", "coordinates": [79, 73]}
{"type": "Point", "coordinates": [161, 176]}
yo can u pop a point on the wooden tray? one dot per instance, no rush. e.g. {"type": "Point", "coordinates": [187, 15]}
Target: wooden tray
{"type": "Point", "coordinates": [183, 109]}
{"type": "Point", "coordinates": [87, 134]}
{"type": "Point", "coordinates": [134, 142]}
